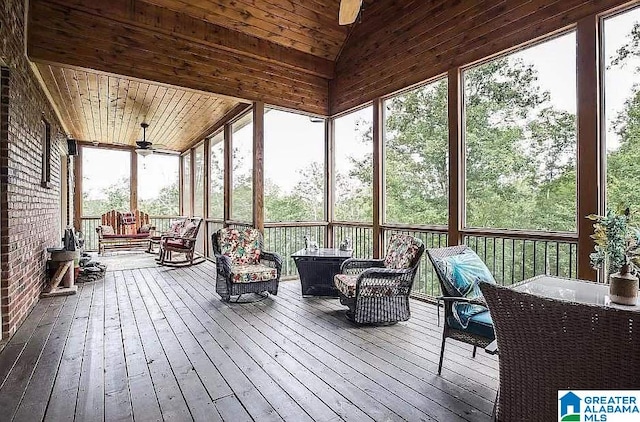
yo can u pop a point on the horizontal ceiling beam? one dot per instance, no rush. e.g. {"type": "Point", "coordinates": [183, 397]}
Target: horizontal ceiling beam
{"type": "Point", "coordinates": [178, 24]}
{"type": "Point", "coordinates": [66, 35]}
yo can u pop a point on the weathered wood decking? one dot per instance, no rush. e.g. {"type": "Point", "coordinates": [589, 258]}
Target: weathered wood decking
{"type": "Point", "coordinates": [157, 343]}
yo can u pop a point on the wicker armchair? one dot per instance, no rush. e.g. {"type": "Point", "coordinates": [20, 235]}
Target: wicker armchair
{"type": "Point", "coordinates": [479, 332]}
{"type": "Point", "coordinates": [377, 290]}
{"type": "Point", "coordinates": [548, 345]}
{"type": "Point", "coordinates": [181, 240]}
{"type": "Point", "coordinates": [242, 265]}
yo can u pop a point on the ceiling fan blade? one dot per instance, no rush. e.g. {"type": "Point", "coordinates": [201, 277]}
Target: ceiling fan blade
{"type": "Point", "coordinates": [349, 10]}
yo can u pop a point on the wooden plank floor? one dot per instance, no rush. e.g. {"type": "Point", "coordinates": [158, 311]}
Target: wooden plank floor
{"type": "Point", "coordinates": [158, 344]}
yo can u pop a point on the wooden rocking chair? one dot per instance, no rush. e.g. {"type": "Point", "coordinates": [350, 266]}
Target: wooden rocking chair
{"type": "Point", "coordinates": [181, 240]}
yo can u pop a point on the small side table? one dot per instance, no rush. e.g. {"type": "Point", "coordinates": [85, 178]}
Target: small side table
{"type": "Point", "coordinates": [317, 269]}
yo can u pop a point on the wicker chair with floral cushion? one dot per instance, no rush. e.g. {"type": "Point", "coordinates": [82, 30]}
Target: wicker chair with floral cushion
{"type": "Point", "coordinates": [466, 317]}
{"type": "Point", "coordinates": [242, 265]}
{"type": "Point", "coordinates": [180, 239]}
{"type": "Point", "coordinates": [377, 290]}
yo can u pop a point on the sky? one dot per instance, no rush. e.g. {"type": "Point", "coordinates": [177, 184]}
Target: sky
{"type": "Point", "coordinates": [292, 141]}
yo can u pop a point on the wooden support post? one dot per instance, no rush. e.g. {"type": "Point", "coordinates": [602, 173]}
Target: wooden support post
{"type": "Point", "coordinates": [207, 190]}
{"type": "Point", "coordinates": [77, 190]}
{"type": "Point", "coordinates": [181, 182]}
{"type": "Point", "coordinates": [329, 178]}
{"type": "Point", "coordinates": [133, 194]}
{"type": "Point", "coordinates": [228, 171]}
{"type": "Point", "coordinates": [378, 176]}
{"type": "Point", "coordinates": [258, 166]}
{"type": "Point", "coordinates": [192, 182]}
{"type": "Point", "coordinates": [590, 154]}
{"type": "Point", "coordinates": [456, 159]}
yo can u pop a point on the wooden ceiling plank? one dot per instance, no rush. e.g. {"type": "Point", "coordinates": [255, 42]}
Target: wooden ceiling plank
{"type": "Point", "coordinates": [93, 95]}
{"type": "Point", "coordinates": [173, 116]}
{"type": "Point", "coordinates": [60, 95]}
{"type": "Point", "coordinates": [177, 24]}
{"type": "Point", "coordinates": [72, 88]}
{"type": "Point", "coordinates": [159, 117]}
{"type": "Point", "coordinates": [103, 104]}
{"type": "Point", "coordinates": [167, 114]}
{"type": "Point", "coordinates": [152, 114]}
{"type": "Point", "coordinates": [123, 112]}
{"type": "Point", "coordinates": [112, 107]}
{"type": "Point", "coordinates": [121, 106]}
{"type": "Point", "coordinates": [134, 130]}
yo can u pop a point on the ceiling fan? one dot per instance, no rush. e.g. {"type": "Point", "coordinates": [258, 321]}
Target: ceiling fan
{"type": "Point", "coordinates": [349, 10]}
{"type": "Point", "coordinates": [145, 147]}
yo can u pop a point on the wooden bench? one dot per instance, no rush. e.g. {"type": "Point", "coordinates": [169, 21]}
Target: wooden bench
{"type": "Point", "coordinates": [124, 236]}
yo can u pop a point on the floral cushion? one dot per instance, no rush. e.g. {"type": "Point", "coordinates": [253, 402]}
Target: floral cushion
{"type": "Point", "coordinates": [463, 273]}
{"type": "Point", "coordinates": [346, 284]}
{"type": "Point", "coordinates": [242, 246]}
{"type": "Point", "coordinates": [402, 251]}
{"type": "Point", "coordinates": [252, 273]}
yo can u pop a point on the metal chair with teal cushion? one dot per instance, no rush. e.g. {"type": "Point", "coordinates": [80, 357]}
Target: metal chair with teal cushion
{"type": "Point", "coordinates": [466, 317]}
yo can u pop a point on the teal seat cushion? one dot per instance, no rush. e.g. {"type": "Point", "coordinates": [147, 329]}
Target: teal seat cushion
{"type": "Point", "coordinates": [462, 275]}
{"type": "Point", "coordinates": [480, 324]}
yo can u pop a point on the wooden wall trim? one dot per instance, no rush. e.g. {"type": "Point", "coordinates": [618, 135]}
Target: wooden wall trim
{"type": "Point", "coordinates": [378, 176]}
{"type": "Point", "coordinates": [456, 158]}
{"type": "Point", "coordinates": [394, 49]}
{"type": "Point", "coordinates": [589, 160]}
{"type": "Point", "coordinates": [258, 166]}
{"type": "Point", "coordinates": [228, 170]}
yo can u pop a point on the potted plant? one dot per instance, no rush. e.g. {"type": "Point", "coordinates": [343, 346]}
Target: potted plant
{"type": "Point", "coordinates": [618, 250]}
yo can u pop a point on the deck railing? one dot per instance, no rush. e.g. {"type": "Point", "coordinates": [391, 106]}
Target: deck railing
{"type": "Point", "coordinates": [511, 256]}
{"type": "Point", "coordinates": [360, 234]}
{"type": "Point", "coordinates": [287, 238]}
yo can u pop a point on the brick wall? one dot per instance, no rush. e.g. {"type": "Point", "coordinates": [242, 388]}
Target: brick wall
{"type": "Point", "coordinates": [29, 213]}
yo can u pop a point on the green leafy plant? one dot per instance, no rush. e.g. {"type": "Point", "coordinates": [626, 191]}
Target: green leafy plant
{"type": "Point", "coordinates": [617, 242]}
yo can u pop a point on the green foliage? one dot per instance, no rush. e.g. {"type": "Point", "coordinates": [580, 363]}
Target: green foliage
{"type": "Point", "coordinates": [617, 242]}
{"type": "Point", "coordinates": [117, 198]}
